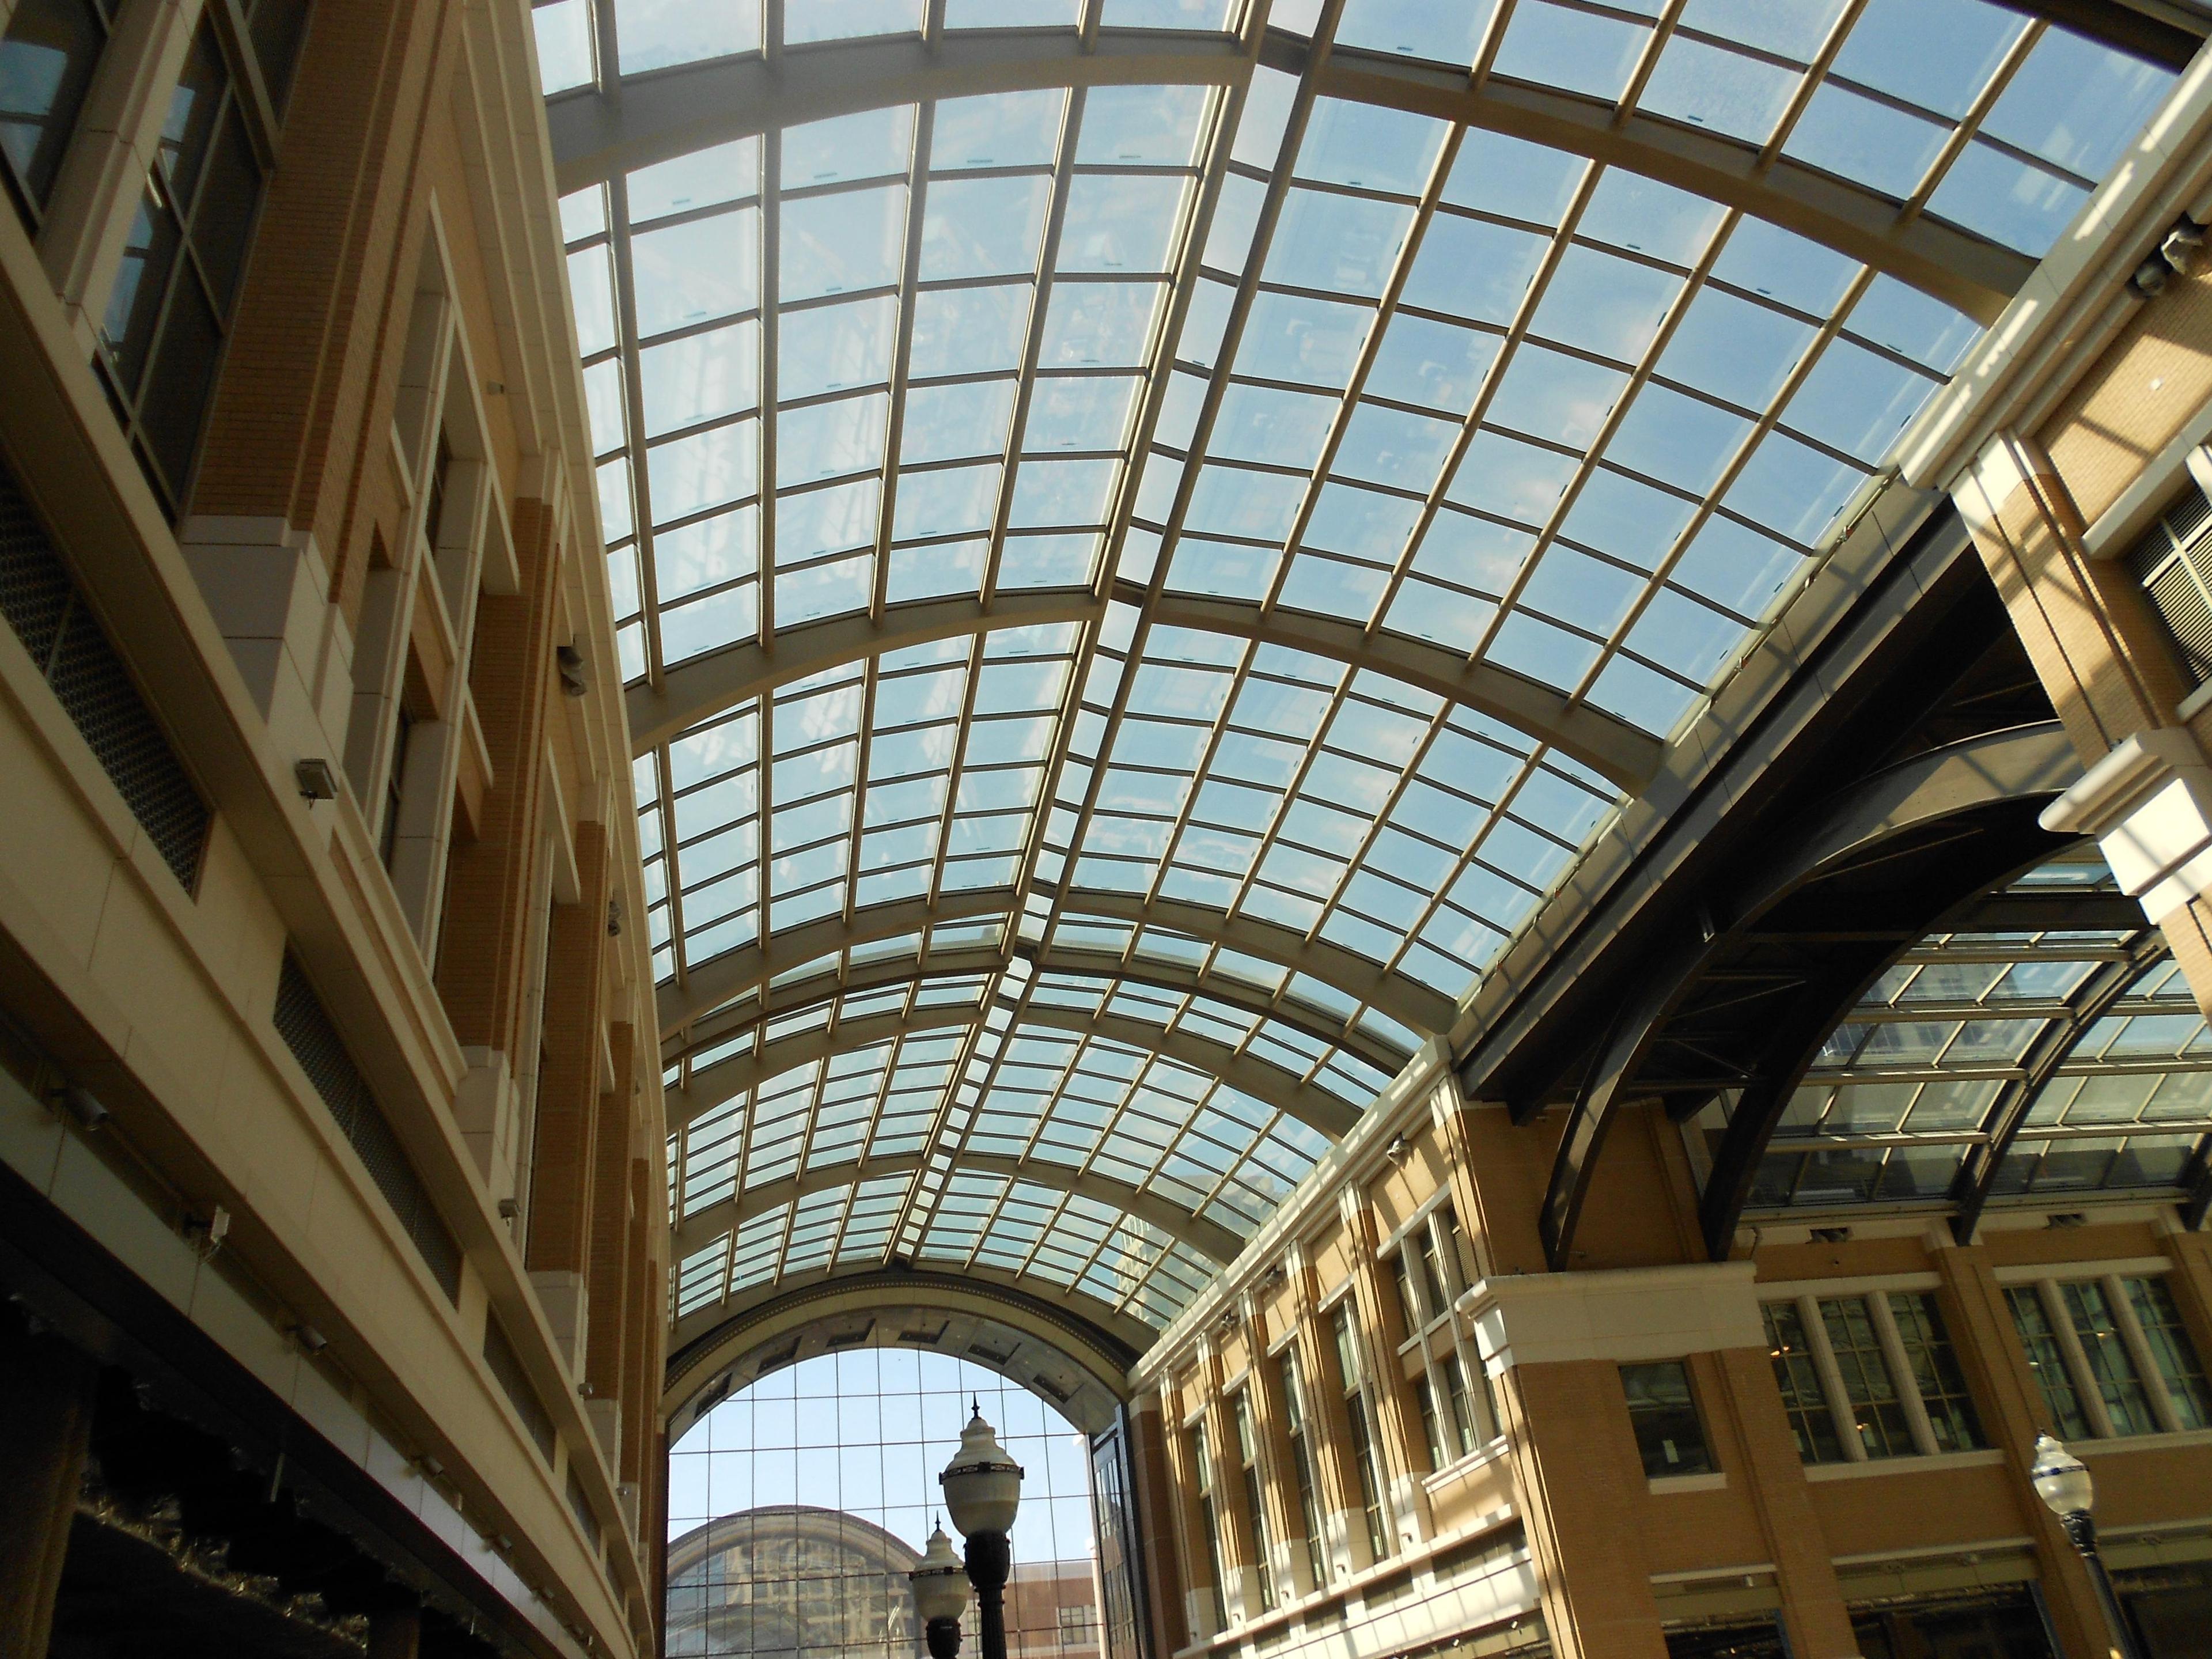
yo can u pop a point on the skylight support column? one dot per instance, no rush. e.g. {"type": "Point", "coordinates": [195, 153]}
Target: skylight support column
{"type": "Point", "coordinates": [641, 485]}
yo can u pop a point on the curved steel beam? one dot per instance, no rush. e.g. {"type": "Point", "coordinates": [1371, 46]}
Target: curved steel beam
{"type": "Point", "coordinates": [716, 980]}
{"type": "Point", "coordinates": [1231, 993]}
{"type": "Point", "coordinates": [1956, 266]}
{"type": "Point", "coordinates": [733, 973]}
{"type": "Point", "coordinates": [2023, 764]}
{"type": "Point", "coordinates": [1268, 1084]}
{"type": "Point", "coordinates": [1076, 1326]}
{"type": "Point", "coordinates": [703, 687]}
{"type": "Point", "coordinates": [669, 112]}
{"type": "Point", "coordinates": [702, 1227]}
{"type": "Point", "coordinates": [1612, 747]}
{"type": "Point", "coordinates": [2092, 999]}
{"type": "Point", "coordinates": [1406, 1001]}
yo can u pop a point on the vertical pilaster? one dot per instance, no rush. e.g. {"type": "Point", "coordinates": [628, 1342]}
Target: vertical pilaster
{"type": "Point", "coordinates": [1328, 1433]}
{"type": "Point", "coordinates": [1286, 1526]}
{"type": "Point", "coordinates": [45, 1427]}
{"type": "Point", "coordinates": [1154, 1498]}
{"type": "Point", "coordinates": [482, 955]}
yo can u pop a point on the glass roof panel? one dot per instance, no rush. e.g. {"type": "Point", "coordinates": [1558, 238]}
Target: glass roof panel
{"type": "Point", "coordinates": [1032, 516]}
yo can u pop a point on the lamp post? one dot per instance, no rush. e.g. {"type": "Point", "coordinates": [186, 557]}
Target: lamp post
{"type": "Point", "coordinates": [940, 1595]}
{"type": "Point", "coordinates": [983, 1490]}
{"type": "Point", "coordinates": [2063, 1482]}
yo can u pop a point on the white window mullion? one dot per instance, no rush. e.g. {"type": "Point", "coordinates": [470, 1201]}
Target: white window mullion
{"type": "Point", "coordinates": [2139, 1350]}
{"type": "Point", "coordinates": [2077, 1363]}
{"type": "Point", "coordinates": [1832, 1379]}
{"type": "Point", "coordinates": [1900, 1372]}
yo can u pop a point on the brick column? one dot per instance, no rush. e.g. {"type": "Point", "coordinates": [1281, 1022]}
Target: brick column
{"type": "Point", "coordinates": [1179, 1493]}
{"type": "Point", "coordinates": [645, 1329]}
{"type": "Point", "coordinates": [1578, 1477]}
{"type": "Point", "coordinates": [2105, 663]}
{"type": "Point", "coordinates": [1989, 1349]}
{"type": "Point", "coordinates": [1819, 1627]}
{"type": "Point", "coordinates": [1154, 1497]}
{"type": "Point", "coordinates": [45, 1427]}
{"type": "Point", "coordinates": [612, 1231]}
{"type": "Point", "coordinates": [1287, 1525]}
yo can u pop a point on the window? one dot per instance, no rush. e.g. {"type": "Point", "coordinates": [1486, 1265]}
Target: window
{"type": "Point", "coordinates": [1432, 1426]}
{"type": "Point", "coordinates": [2173, 562]}
{"type": "Point", "coordinates": [2110, 1356]}
{"type": "Point", "coordinates": [1209, 1524]}
{"type": "Point", "coordinates": [1664, 1415]}
{"type": "Point", "coordinates": [1255, 1511]}
{"type": "Point", "coordinates": [1863, 1377]}
{"type": "Point", "coordinates": [1362, 1439]}
{"type": "Point", "coordinates": [46, 60]}
{"type": "Point", "coordinates": [161, 340]}
{"type": "Point", "coordinates": [1302, 1466]}
{"type": "Point", "coordinates": [1471, 1429]}
{"type": "Point", "coordinates": [1798, 1373]}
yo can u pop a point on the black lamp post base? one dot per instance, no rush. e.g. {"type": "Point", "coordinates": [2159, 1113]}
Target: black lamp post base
{"type": "Point", "coordinates": [990, 1560]}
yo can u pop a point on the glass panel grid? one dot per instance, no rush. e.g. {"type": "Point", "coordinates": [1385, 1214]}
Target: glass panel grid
{"type": "Point", "coordinates": [1483, 406]}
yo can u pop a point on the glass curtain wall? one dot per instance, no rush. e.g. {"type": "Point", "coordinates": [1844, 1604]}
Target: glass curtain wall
{"type": "Point", "coordinates": [798, 1506]}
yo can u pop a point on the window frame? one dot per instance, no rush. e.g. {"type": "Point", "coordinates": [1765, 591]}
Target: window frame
{"type": "Point", "coordinates": [1921, 1438]}
{"type": "Point", "coordinates": [1675, 1468]}
{"type": "Point", "coordinates": [2047, 1292]}
{"type": "Point", "coordinates": [1426, 1263]}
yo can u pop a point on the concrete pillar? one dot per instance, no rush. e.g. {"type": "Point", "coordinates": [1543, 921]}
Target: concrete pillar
{"type": "Point", "coordinates": [46, 1395]}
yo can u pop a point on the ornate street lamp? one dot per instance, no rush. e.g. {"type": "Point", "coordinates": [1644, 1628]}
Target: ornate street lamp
{"type": "Point", "coordinates": [983, 1490]}
{"type": "Point", "coordinates": [940, 1595]}
{"type": "Point", "coordinates": [2061, 1481]}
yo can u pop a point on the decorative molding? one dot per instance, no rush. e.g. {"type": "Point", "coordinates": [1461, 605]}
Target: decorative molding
{"type": "Point", "coordinates": [2149, 805]}
{"type": "Point", "coordinates": [1621, 1314]}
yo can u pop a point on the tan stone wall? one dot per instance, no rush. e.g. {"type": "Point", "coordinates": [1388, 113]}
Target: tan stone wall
{"type": "Point", "coordinates": [397, 159]}
{"type": "Point", "coordinates": [1615, 1554]}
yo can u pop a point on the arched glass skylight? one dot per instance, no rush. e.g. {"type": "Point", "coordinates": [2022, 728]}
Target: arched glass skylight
{"type": "Point", "coordinates": [1218, 508]}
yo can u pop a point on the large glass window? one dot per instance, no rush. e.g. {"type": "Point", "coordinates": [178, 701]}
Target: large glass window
{"type": "Point", "coordinates": [2110, 1356]}
{"type": "Point", "coordinates": [1302, 1467]}
{"type": "Point", "coordinates": [1256, 1507]}
{"type": "Point", "coordinates": [798, 1506]}
{"type": "Point", "coordinates": [46, 60]}
{"type": "Point", "coordinates": [1365, 1466]}
{"type": "Point", "coordinates": [1209, 1522]}
{"type": "Point", "coordinates": [1870, 1377]}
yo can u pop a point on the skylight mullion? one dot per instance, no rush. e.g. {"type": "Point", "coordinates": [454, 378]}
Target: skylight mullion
{"type": "Point", "coordinates": [966, 724]}
{"type": "Point", "coordinates": [1238, 677]}
{"type": "Point", "coordinates": [869, 671]}
{"type": "Point", "coordinates": [1271, 208]}
{"type": "Point", "coordinates": [671, 869]}
{"type": "Point", "coordinates": [918, 1210]}
{"type": "Point", "coordinates": [1357, 862]}
{"type": "Point", "coordinates": [1737, 461]}
{"type": "Point", "coordinates": [1348, 404]}
{"type": "Point", "coordinates": [640, 488]}
{"type": "Point", "coordinates": [1059, 1090]}
{"type": "Point", "coordinates": [1071, 127]}
{"type": "Point", "coordinates": [607, 46]}
{"type": "Point", "coordinates": [771, 349]}
{"type": "Point", "coordinates": [1971, 122]}
{"type": "Point", "coordinates": [917, 189]}
{"type": "Point", "coordinates": [1465, 857]}
{"type": "Point", "coordinates": [1485, 52]}
{"type": "Point", "coordinates": [1586, 468]}
{"type": "Point", "coordinates": [1654, 42]}
{"type": "Point", "coordinates": [1800, 95]}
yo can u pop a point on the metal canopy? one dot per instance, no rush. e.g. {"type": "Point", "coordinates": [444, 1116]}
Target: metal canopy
{"type": "Point", "coordinates": [1147, 543]}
